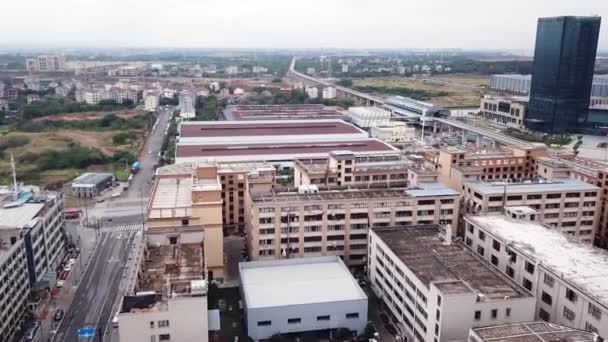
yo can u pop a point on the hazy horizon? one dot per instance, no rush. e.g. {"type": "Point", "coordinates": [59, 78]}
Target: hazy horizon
{"type": "Point", "coordinates": [275, 24]}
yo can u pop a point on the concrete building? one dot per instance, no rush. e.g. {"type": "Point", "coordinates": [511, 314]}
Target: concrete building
{"type": "Point", "coordinates": [232, 70]}
{"type": "Point", "coordinates": [187, 208]}
{"type": "Point", "coordinates": [328, 93]}
{"type": "Point", "coordinates": [569, 279]}
{"type": "Point", "coordinates": [413, 110]}
{"type": "Point", "coordinates": [166, 294]}
{"type": "Point", "coordinates": [568, 205]}
{"type": "Point", "coordinates": [366, 117]}
{"type": "Point", "coordinates": [312, 221]}
{"type": "Point", "coordinates": [187, 102]}
{"type": "Point", "coordinates": [312, 295]}
{"type": "Point", "coordinates": [436, 289]}
{"type": "Point", "coordinates": [312, 92]}
{"type": "Point", "coordinates": [151, 102]}
{"type": "Point", "coordinates": [344, 68]}
{"type": "Point", "coordinates": [506, 111]}
{"type": "Point", "coordinates": [131, 70]}
{"type": "Point", "coordinates": [237, 181]}
{"type": "Point", "coordinates": [393, 132]}
{"type": "Point", "coordinates": [511, 83]}
{"type": "Point", "coordinates": [4, 105]}
{"type": "Point", "coordinates": [90, 184]}
{"type": "Point", "coordinates": [281, 112]}
{"type": "Point", "coordinates": [529, 332]}
{"type": "Point", "coordinates": [45, 63]}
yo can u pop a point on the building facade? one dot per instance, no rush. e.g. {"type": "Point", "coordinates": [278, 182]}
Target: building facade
{"type": "Point", "coordinates": [366, 117]}
{"type": "Point", "coordinates": [509, 112]}
{"type": "Point", "coordinates": [393, 132]}
{"type": "Point", "coordinates": [562, 72]}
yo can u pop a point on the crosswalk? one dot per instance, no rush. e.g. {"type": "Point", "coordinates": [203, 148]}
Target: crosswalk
{"type": "Point", "coordinates": [133, 227]}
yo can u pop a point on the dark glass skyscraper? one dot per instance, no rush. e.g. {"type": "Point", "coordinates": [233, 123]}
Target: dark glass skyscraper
{"type": "Point", "coordinates": [562, 72]}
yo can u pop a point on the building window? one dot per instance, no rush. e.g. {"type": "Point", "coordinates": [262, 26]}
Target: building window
{"type": "Point", "coordinates": [494, 260]}
{"type": "Point", "coordinates": [571, 295]}
{"type": "Point", "coordinates": [477, 315]}
{"type": "Point", "coordinates": [527, 284]}
{"type": "Point", "coordinates": [510, 271]}
{"type": "Point", "coordinates": [548, 280]}
{"type": "Point", "coordinates": [163, 324]}
{"type": "Point", "coordinates": [264, 323]}
{"type": "Point", "coordinates": [496, 245]}
{"type": "Point", "coordinates": [151, 324]}
{"type": "Point", "coordinates": [185, 222]}
{"type": "Point", "coordinates": [352, 315]}
{"type": "Point", "coordinates": [529, 267]}
{"type": "Point", "coordinates": [494, 313]}
{"type": "Point", "coordinates": [323, 318]}
{"type": "Point", "coordinates": [164, 337]}
{"type": "Point", "coordinates": [569, 314]}
{"type": "Point", "coordinates": [595, 311]}
{"type": "Point", "coordinates": [546, 298]}
{"type": "Point", "coordinates": [480, 250]}
{"type": "Point", "coordinates": [590, 328]}
{"type": "Point", "coordinates": [508, 312]}
{"type": "Point", "coordinates": [294, 321]}
{"type": "Point", "coordinates": [438, 300]}
{"type": "Point", "coordinates": [544, 315]}
{"type": "Point", "coordinates": [482, 236]}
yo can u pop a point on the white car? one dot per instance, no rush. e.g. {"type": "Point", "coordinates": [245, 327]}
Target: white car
{"type": "Point", "coordinates": [116, 194]}
{"type": "Point", "coordinates": [67, 268]}
{"type": "Point", "coordinates": [71, 261]}
{"type": "Point", "coordinates": [59, 284]}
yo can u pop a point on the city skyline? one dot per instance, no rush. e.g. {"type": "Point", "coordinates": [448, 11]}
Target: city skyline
{"type": "Point", "coordinates": [276, 24]}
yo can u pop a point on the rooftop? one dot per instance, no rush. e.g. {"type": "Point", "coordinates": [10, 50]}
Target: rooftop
{"type": "Point", "coordinates": [190, 129]}
{"type": "Point", "coordinates": [561, 185]}
{"type": "Point", "coordinates": [367, 191]}
{"type": "Point", "coordinates": [452, 267]}
{"type": "Point", "coordinates": [533, 332]}
{"type": "Point", "coordinates": [280, 112]}
{"type": "Point", "coordinates": [581, 265]}
{"type": "Point", "coordinates": [172, 197]}
{"type": "Point", "coordinates": [298, 281]}
{"type": "Point", "coordinates": [91, 179]}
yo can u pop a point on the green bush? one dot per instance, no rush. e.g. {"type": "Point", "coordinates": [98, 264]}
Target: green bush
{"type": "Point", "coordinates": [76, 157]}
{"type": "Point", "coordinates": [13, 141]}
{"type": "Point", "coordinates": [124, 137]}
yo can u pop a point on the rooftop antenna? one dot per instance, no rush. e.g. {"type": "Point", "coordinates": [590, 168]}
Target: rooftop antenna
{"type": "Point", "coordinates": [15, 185]}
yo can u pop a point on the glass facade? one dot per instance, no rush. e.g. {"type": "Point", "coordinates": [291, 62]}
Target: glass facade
{"type": "Point", "coordinates": [562, 74]}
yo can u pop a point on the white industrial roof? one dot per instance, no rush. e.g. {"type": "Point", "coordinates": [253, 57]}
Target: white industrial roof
{"type": "Point", "coordinates": [18, 217]}
{"type": "Point", "coordinates": [298, 281]}
{"type": "Point", "coordinates": [580, 264]}
{"type": "Point", "coordinates": [172, 198]}
{"type": "Point", "coordinates": [561, 185]}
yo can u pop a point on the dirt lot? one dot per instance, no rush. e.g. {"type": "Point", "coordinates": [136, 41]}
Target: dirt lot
{"type": "Point", "coordinates": [463, 90]}
{"type": "Point", "coordinates": [86, 116]}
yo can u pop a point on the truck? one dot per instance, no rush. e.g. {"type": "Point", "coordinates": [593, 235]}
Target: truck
{"type": "Point", "coordinates": [135, 167]}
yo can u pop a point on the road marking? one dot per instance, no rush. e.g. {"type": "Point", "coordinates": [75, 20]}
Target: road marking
{"type": "Point", "coordinates": [128, 227]}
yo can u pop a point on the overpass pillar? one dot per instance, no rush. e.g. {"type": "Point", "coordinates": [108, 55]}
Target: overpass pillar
{"type": "Point", "coordinates": [450, 131]}
{"type": "Point", "coordinates": [478, 141]}
{"type": "Point", "coordinates": [435, 127]}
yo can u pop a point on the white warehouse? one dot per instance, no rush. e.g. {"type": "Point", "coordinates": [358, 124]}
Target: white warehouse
{"type": "Point", "coordinates": [293, 296]}
{"type": "Point", "coordinates": [366, 117]}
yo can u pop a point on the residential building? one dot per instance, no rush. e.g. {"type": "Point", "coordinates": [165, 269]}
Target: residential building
{"type": "Point", "coordinates": [4, 105]}
{"type": "Point", "coordinates": [436, 289]}
{"type": "Point", "coordinates": [92, 184]}
{"type": "Point", "coordinates": [257, 69]}
{"type": "Point", "coordinates": [558, 100]}
{"type": "Point", "coordinates": [2, 87]}
{"type": "Point", "coordinates": [63, 90]}
{"type": "Point", "coordinates": [296, 296]}
{"type": "Point", "coordinates": [568, 205]}
{"type": "Point", "coordinates": [15, 284]}
{"type": "Point", "coordinates": [12, 93]}
{"type": "Point", "coordinates": [232, 70]}
{"type": "Point", "coordinates": [187, 208]}
{"type": "Point", "coordinates": [166, 294]}
{"type": "Point", "coordinates": [344, 68]}
{"type": "Point", "coordinates": [328, 93]}
{"type": "Point", "coordinates": [312, 221]}
{"type": "Point", "coordinates": [281, 112]}
{"type": "Point", "coordinates": [310, 71]}
{"type": "Point", "coordinates": [45, 63]}
{"type": "Point", "coordinates": [569, 279]}
{"type": "Point", "coordinates": [366, 117]}
{"type": "Point", "coordinates": [506, 111]}
{"type": "Point", "coordinates": [151, 102]}
{"type": "Point", "coordinates": [529, 332]}
{"type": "Point", "coordinates": [131, 70]}
{"type": "Point", "coordinates": [393, 132]}
{"type": "Point", "coordinates": [312, 92]}
{"type": "Point", "coordinates": [187, 101]}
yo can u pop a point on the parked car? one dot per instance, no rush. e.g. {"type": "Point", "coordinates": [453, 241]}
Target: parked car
{"type": "Point", "coordinates": [59, 284]}
{"type": "Point", "coordinates": [58, 316]}
{"type": "Point", "coordinates": [67, 268]}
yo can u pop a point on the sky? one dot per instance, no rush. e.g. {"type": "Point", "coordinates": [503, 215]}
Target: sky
{"type": "Point", "coordinates": [419, 24]}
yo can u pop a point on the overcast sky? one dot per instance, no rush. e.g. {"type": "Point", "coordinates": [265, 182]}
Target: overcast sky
{"type": "Point", "coordinates": [478, 24]}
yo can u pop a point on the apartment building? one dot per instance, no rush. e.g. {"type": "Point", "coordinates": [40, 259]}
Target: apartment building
{"type": "Point", "coordinates": [151, 101]}
{"type": "Point", "coordinates": [506, 111]}
{"type": "Point", "coordinates": [45, 63]}
{"type": "Point", "coordinates": [237, 180]}
{"type": "Point", "coordinates": [14, 285]}
{"type": "Point", "coordinates": [393, 132]}
{"type": "Point", "coordinates": [166, 294]}
{"type": "Point", "coordinates": [569, 279]}
{"type": "Point", "coordinates": [529, 332]}
{"type": "Point", "coordinates": [186, 207]}
{"type": "Point", "coordinates": [436, 289]}
{"type": "Point", "coordinates": [568, 205]}
{"type": "Point", "coordinates": [187, 103]}
{"type": "Point", "coordinates": [309, 221]}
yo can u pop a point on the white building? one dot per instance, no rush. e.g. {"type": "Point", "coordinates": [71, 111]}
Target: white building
{"type": "Point", "coordinates": [46, 63]}
{"type": "Point", "coordinates": [436, 289]}
{"type": "Point", "coordinates": [345, 68]}
{"type": "Point", "coordinates": [312, 92]}
{"type": "Point", "coordinates": [310, 71]}
{"type": "Point", "coordinates": [529, 332]}
{"type": "Point", "coordinates": [186, 105]}
{"type": "Point", "coordinates": [301, 295]}
{"type": "Point", "coordinates": [238, 91]}
{"type": "Point", "coordinates": [413, 110]}
{"type": "Point", "coordinates": [259, 69]}
{"type": "Point", "coordinates": [366, 117]}
{"type": "Point", "coordinates": [393, 132]}
{"type": "Point", "coordinates": [232, 70]}
{"type": "Point", "coordinates": [569, 279]}
{"type": "Point", "coordinates": [329, 93]}
{"type": "Point", "coordinates": [151, 102]}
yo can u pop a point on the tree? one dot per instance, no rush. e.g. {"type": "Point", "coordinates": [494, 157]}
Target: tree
{"type": "Point", "coordinates": [107, 120]}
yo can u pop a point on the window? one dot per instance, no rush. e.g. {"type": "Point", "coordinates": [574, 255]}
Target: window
{"type": "Point", "coordinates": [480, 250]}
{"type": "Point", "coordinates": [510, 272]}
{"type": "Point", "coordinates": [508, 312]}
{"type": "Point", "coordinates": [590, 328]}
{"type": "Point", "coordinates": [164, 337]}
{"type": "Point", "coordinates": [264, 323]}
{"type": "Point", "coordinates": [594, 311]}
{"type": "Point", "coordinates": [185, 222]}
{"type": "Point", "coordinates": [482, 236]}
{"type": "Point", "coordinates": [527, 284]}
{"type": "Point", "coordinates": [544, 315]}
{"type": "Point", "coordinates": [323, 318]}
{"type": "Point", "coordinates": [496, 245]}
{"type": "Point", "coordinates": [494, 313]}
{"type": "Point", "coordinates": [163, 324]}
{"type": "Point", "coordinates": [546, 298]}
{"type": "Point", "coordinates": [352, 315]}
{"type": "Point", "coordinates": [529, 267]}
{"type": "Point", "coordinates": [294, 321]}
{"type": "Point", "coordinates": [569, 314]}
{"type": "Point", "coordinates": [494, 260]}
{"type": "Point", "coordinates": [477, 315]}
{"type": "Point", "coordinates": [548, 280]}
{"type": "Point", "coordinates": [151, 324]}
{"type": "Point", "coordinates": [571, 295]}
{"type": "Point", "coordinates": [438, 300]}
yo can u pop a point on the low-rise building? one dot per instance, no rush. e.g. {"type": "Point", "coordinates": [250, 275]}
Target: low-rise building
{"type": "Point", "coordinates": [366, 117]}
{"type": "Point", "coordinates": [187, 102]}
{"type": "Point", "coordinates": [436, 289]}
{"type": "Point", "coordinates": [529, 332]}
{"type": "Point", "coordinates": [569, 206]}
{"type": "Point", "coordinates": [328, 93]}
{"type": "Point", "coordinates": [151, 102]}
{"type": "Point", "coordinates": [312, 92]}
{"type": "Point", "coordinates": [506, 111]}
{"type": "Point", "coordinates": [91, 184]}
{"type": "Point", "coordinates": [569, 279]}
{"type": "Point", "coordinates": [393, 132]}
{"type": "Point", "coordinates": [295, 296]}
{"type": "Point", "coordinates": [311, 221]}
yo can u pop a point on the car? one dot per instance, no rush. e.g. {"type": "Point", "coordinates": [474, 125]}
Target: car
{"type": "Point", "coordinates": [101, 200]}
{"type": "Point", "coordinates": [390, 328]}
{"type": "Point", "coordinates": [67, 268]}
{"type": "Point", "coordinates": [58, 315]}
{"type": "Point", "coordinates": [384, 318]}
{"type": "Point", "coordinates": [59, 284]}
{"type": "Point", "coordinates": [149, 151]}
{"type": "Point", "coordinates": [72, 261]}
{"type": "Point", "coordinates": [116, 194]}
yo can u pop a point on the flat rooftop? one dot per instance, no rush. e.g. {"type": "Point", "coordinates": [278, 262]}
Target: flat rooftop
{"type": "Point", "coordinates": [581, 265]}
{"type": "Point", "coordinates": [280, 112]}
{"type": "Point", "coordinates": [171, 263]}
{"type": "Point", "coordinates": [297, 282]}
{"type": "Point", "coordinates": [532, 332]}
{"type": "Point", "coordinates": [452, 268]}
{"type": "Point", "coordinates": [91, 179]}
{"type": "Point", "coordinates": [356, 192]}
{"type": "Point", "coordinates": [290, 150]}
{"type": "Point", "coordinates": [561, 185]}
{"type": "Point", "coordinates": [191, 129]}
{"type": "Point", "coordinates": [172, 197]}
